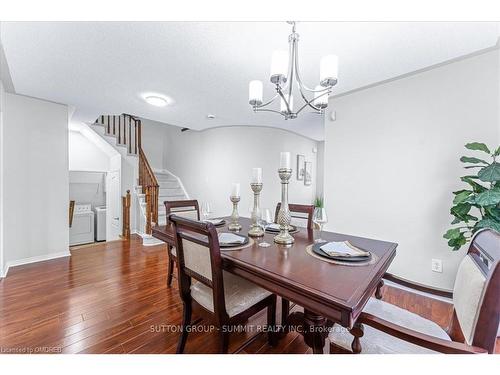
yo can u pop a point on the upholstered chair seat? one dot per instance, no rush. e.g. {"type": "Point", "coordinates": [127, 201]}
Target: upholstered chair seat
{"type": "Point", "coordinates": [239, 294]}
{"type": "Point", "coordinates": [374, 341]}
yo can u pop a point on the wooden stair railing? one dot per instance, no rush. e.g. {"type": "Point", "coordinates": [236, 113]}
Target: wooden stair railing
{"type": "Point", "coordinates": [127, 131]}
{"type": "Point", "coordinates": [126, 216]}
{"type": "Point", "coordinates": [151, 188]}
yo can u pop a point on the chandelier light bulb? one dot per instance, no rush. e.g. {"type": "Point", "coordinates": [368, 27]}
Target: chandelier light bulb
{"type": "Point", "coordinates": [320, 98]}
{"type": "Point", "coordinates": [255, 90]}
{"type": "Point", "coordinates": [279, 67]}
{"type": "Point", "coordinates": [328, 70]}
{"type": "Point", "coordinates": [283, 108]}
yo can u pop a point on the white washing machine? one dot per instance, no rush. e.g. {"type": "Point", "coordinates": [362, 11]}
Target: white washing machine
{"type": "Point", "coordinates": [82, 229]}
{"type": "Point", "coordinates": [100, 223]}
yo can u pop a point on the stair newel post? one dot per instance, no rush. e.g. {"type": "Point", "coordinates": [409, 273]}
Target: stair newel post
{"type": "Point", "coordinates": [157, 196]}
{"type": "Point", "coordinates": [148, 210]}
{"type": "Point", "coordinates": [126, 215]}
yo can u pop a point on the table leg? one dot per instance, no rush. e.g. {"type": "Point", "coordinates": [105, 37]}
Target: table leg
{"type": "Point", "coordinates": [314, 328]}
{"type": "Point", "coordinates": [357, 331]}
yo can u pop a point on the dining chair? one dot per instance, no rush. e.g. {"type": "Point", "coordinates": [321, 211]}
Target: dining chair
{"type": "Point", "coordinates": [185, 208]}
{"type": "Point", "coordinates": [228, 299]}
{"type": "Point", "coordinates": [301, 214]}
{"type": "Point", "coordinates": [385, 328]}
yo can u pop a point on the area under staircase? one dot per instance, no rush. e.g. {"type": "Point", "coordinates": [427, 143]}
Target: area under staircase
{"type": "Point", "coordinates": [153, 186]}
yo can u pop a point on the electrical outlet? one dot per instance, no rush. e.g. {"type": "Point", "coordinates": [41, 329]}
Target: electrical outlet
{"type": "Point", "coordinates": [437, 265]}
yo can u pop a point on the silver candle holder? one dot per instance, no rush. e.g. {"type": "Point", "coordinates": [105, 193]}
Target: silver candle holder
{"type": "Point", "coordinates": [284, 215]}
{"type": "Point", "coordinates": [255, 229]}
{"type": "Point", "coordinates": [234, 225]}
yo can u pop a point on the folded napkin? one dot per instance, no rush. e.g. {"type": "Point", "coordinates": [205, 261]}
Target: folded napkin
{"type": "Point", "coordinates": [231, 239]}
{"type": "Point", "coordinates": [214, 221]}
{"type": "Point", "coordinates": [343, 249]}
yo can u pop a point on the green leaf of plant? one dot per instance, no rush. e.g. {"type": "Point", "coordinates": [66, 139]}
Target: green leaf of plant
{"type": "Point", "coordinates": [488, 198]}
{"type": "Point", "coordinates": [497, 152]}
{"type": "Point", "coordinates": [491, 173]}
{"type": "Point", "coordinates": [456, 221]}
{"type": "Point", "coordinates": [452, 233]}
{"type": "Point", "coordinates": [460, 211]}
{"type": "Point", "coordinates": [478, 188]}
{"type": "Point", "coordinates": [476, 146]}
{"type": "Point", "coordinates": [488, 223]}
{"type": "Point", "coordinates": [467, 159]}
{"type": "Point", "coordinates": [457, 243]}
{"type": "Point", "coordinates": [493, 213]}
{"type": "Point", "coordinates": [462, 196]}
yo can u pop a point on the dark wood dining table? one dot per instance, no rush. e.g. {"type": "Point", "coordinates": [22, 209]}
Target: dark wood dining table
{"type": "Point", "coordinates": [329, 293]}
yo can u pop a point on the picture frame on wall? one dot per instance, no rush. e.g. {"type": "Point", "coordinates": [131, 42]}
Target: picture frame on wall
{"type": "Point", "coordinates": [301, 159]}
{"type": "Point", "coordinates": [307, 173]}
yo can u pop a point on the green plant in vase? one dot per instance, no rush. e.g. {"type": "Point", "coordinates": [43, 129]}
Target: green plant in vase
{"type": "Point", "coordinates": [481, 198]}
{"type": "Point", "coordinates": [318, 202]}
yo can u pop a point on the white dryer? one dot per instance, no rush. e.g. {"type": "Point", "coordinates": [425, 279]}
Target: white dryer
{"type": "Point", "coordinates": [82, 229]}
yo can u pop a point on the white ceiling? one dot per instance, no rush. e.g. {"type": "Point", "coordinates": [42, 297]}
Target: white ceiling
{"type": "Point", "coordinates": [103, 67]}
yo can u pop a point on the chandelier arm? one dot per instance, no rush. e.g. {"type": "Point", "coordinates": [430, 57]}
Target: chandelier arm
{"type": "Point", "coordinates": [291, 62]}
{"type": "Point", "coordinates": [266, 110]}
{"type": "Point", "coordinates": [297, 74]}
{"type": "Point", "coordinates": [308, 102]}
{"type": "Point", "coordinates": [267, 103]}
{"type": "Point", "coordinates": [289, 110]}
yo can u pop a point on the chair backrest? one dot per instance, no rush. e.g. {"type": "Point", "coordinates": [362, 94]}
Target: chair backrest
{"type": "Point", "coordinates": [302, 214]}
{"type": "Point", "coordinates": [476, 294]}
{"type": "Point", "coordinates": [184, 208]}
{"type": "Point", "coordinates": [198, 257]}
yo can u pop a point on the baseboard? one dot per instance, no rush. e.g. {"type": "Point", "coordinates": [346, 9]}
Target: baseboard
{"type": "Point", "coordinates": [36, 259]}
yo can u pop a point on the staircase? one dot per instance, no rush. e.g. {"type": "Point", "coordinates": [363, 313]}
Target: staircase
{"type": "Point", "coordinates": [153, 187]}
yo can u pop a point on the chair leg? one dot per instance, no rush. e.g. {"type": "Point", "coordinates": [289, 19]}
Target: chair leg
{"type": "Point", "coordinates": [170, 269]}
{"type": "Point", "coordinates": [285, 311]}
{"type": "Point", "coordinates": [224, 342]}
{"type": "Point", "coordinates": [186, 322]}
{"type": "Point", "coordinates": [271, 322]}
{"type": "Point", "coordinates": [378, 292]}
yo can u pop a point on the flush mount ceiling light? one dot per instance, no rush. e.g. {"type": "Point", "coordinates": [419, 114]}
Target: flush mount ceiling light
{"type": "Point", "coordinates": [284, 69]}
{"type": "Point", "coordinates": [157, 100]}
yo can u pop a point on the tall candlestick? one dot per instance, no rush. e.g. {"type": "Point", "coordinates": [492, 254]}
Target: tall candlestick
{"type": "Point", "coordinates": [284, 215]}
{"type": "Point", "coordinates": [255, 229]}
{"type": "Point", "coordinates": [234, 225]}
{"type": "Point", "coordinates": [256, 175]}
{"type": "Point", "coordinates": [285, 162]}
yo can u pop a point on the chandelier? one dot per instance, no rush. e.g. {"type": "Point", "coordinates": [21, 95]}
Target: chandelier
{"type": "Point", "coordinates": [284, 69]}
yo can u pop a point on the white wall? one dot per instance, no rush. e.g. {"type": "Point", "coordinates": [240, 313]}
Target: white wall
{"type": "Point", "coordinates": [392, 159]}
{"type": "Point", "coordinates": [35, 179]}
{"type": "Point", "coordinates": [85, 155]}
{"type": "Point", "coordinates": [208, 162]}
{"type": "Point", "coordinates": [2, 107]}
{"type": "Point", "coordinates": [88, 187]}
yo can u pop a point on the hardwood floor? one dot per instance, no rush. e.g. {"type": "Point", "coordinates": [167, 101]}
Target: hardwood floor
{"type": "Point", "coordinates": [112, 298]}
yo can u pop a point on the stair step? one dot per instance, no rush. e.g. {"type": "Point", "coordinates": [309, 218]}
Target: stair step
{"type": "Point", "coordinates": [172, 198]}
{"type": "Point", "coordinates": [168, 184]}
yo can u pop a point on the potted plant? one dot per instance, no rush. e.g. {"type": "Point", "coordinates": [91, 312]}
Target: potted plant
{"type": "Point", "coordinates": [481, 198]}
